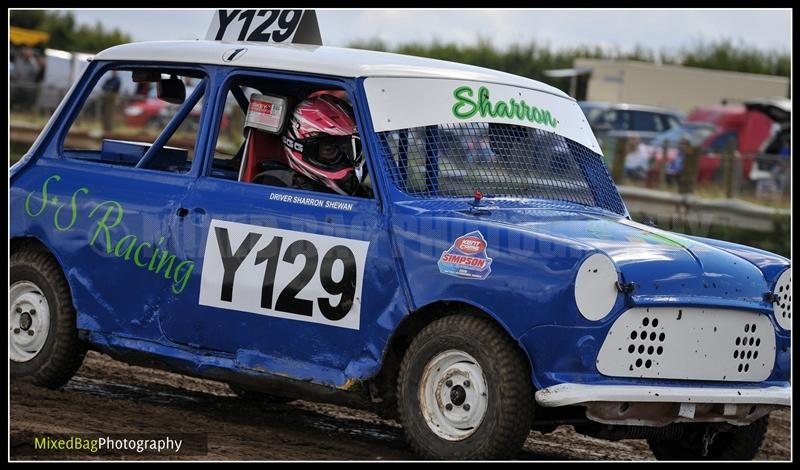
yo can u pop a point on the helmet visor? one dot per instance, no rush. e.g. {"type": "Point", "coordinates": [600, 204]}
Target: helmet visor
{"type": "Point", "coordinates": [333, 152]}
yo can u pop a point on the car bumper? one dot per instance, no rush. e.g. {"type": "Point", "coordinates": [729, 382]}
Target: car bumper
{"type": "Point", "coordinates": [575, 394]}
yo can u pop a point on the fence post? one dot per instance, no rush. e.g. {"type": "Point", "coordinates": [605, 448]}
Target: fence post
{"type": "Point", "coordinates": [727, 171]}
{"type": "Point", "coordinates": [688, 176]}
{"type": "Point", "coordinates": [618, 165]}
{"type": "Point", "coordinates": [736, 172]}
{"type": "Point", "coordinates": [662, 175]}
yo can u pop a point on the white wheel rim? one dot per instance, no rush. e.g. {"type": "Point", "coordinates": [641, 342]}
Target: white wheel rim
{"type": "Point", "coordinates": [453, 395]}
{"type": "Point", "coordinates": [28, 321]}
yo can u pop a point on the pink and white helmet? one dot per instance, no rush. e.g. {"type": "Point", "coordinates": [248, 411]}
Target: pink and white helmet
{"type": "Point", "coordinates": [322, 143]}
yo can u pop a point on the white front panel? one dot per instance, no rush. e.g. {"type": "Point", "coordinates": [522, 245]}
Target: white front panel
{"type": "Point", "coordinates": [313, 278]}
{"type": "Point", "coordinates": [690, 344]}
{"type": "Point", "coordinates": [401, 103]}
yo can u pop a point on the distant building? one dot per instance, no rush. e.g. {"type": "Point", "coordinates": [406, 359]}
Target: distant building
{"type": "Point", "coordinates": [673, 86]}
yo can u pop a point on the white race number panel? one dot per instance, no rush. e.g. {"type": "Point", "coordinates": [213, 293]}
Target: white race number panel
{"type": "Point", "coordinates": [283, 273]}
{"type": "Point", "coordinates": [270, 26]}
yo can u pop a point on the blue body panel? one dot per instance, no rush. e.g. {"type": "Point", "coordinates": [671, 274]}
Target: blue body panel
{"type": "Point", "coordinates": [134, 267]}
{"type": "Point", "coordinates": [268, 343]}
{"type": "Point", "coordinates": [86, 215]}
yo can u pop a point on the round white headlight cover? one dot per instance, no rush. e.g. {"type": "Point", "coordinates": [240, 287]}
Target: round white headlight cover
{"type": "Point", "coordinates": [783, 303]}
{"type": "Point", "coordinates": [595, 286]}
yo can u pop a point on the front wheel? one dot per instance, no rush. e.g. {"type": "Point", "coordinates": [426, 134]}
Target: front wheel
{"type": "Point", "coordinates": [464, 391]}
{"type": "Point", "coordinates": [739, 443]}
{"type": "Point", "coordinates": [43, 343]}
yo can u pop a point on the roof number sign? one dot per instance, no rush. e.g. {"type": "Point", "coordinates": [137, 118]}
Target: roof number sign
{"type": "Point", "coordinates": [271, 26]}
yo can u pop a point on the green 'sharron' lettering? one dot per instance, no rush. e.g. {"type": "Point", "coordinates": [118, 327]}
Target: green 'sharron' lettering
{"type": "Point", "coordinates": [468, 105]}
{"type": "Point", "coordinates": [106, 233]}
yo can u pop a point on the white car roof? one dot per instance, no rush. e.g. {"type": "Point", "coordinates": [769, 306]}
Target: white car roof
{"type": "Point", "coordinates": [324, 60]}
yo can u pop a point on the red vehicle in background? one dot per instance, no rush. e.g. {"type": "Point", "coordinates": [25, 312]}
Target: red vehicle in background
{"type": "Point", "coordinates": [745, 127]}
{"type": "Point", "coordinates": [146, 109]}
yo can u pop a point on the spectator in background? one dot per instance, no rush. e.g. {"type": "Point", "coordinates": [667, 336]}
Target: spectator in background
{"type": "Point", "coordinates": [41, 62]}
{"type": "Point", "coordinates": [110, 90]}
{"type": "Point", "coordinates": [26, 67]}
{"type": "Point", "coordinates": [23, 76]}
{"type": "Point", "coordinates": [782, 170]}
{"type": "Point", "coordinates": [190, 85]}
{"type": "Point", "coordinates": [674, 167]}
{"type": "Point", "coordinates": [786, 149]}
{"type": "Point", "coordinates": [479, 150]}
{"type": "Point", "coordinates": [142, 90]}
{"type": "Point", "coordinates": [637, 158]}
{"type": "Point", "coordinates": [484, 149]}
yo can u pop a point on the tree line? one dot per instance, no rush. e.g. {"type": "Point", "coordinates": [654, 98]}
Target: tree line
{"type": "Point", "coordinates": [65, 33]}
{"type": "Point", "coordinates": [532, 59]}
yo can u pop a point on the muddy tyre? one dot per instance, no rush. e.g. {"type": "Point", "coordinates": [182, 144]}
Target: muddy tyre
{"type": "Point", "coordinates": [464, 391]}
{"type": "Point", "coordinates": [43, 342]}
{"type": "Point", "coordinates": [740, 443]}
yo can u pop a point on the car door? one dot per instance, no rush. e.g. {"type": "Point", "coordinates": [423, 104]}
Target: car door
{"type": "Point", "coordinates": [292, 282]}
{"type": "Point", "coordinates": [108, 219]}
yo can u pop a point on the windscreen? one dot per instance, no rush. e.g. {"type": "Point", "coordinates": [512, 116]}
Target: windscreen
{"type": "Point", "coordinates": [499, 160]}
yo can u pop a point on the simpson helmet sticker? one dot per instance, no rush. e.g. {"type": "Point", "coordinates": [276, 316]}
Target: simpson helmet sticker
{"type": "Point", "coordinates": [467, 258]}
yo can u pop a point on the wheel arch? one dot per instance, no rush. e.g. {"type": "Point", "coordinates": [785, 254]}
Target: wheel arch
{"type": "Point", "coordinates": [29, 243]}
{"type": "Point", "coordinates": [32, 243]}
{"type": "Point", "coordinates": [383, 384]}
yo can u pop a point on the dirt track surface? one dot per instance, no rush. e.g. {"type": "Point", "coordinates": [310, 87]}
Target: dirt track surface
{"type": "Point", "coordinates": [107, 396]}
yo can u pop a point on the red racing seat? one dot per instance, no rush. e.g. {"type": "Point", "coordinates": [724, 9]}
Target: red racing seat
{"type": "Point", "coordinates": [260, 146]}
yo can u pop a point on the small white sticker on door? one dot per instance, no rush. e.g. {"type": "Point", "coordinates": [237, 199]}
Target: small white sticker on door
{"type": "Point", "coordinates": [283, 273]}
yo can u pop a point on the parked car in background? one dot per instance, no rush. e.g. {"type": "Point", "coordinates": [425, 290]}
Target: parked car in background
{"type": "Point", "coordinates": [147, 109]}
{"type": "Point", "coordinates": [779, 144]}
{"type": "Point", "coordinates": [592, 109]}
{"type": "Point", "coordinates": [624, 120]}
{"type": "Point", "coordinates": [697, 134]}
{"type": "Point", "coordinates": [144, 109]}
{"type": "Point", "coordinates": [772, 164]}
{"type": "Point", "coordinates": [778, 109]}
{"type": "Point", "coordinates": [743, 127]}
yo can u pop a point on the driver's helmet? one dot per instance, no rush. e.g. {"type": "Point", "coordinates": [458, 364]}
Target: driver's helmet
{"type": "Point", "coordinates": [321, 142]}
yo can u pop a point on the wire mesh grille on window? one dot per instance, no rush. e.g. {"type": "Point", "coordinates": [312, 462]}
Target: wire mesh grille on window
{"type": "Point", "coordinates": [500, 160]}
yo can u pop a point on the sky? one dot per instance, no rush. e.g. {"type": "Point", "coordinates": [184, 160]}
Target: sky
{"type": "Point", "coordinates": [622, 29]}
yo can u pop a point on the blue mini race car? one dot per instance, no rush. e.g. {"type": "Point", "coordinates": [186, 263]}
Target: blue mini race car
{"type": "Point", "coordinates": [481, 278]}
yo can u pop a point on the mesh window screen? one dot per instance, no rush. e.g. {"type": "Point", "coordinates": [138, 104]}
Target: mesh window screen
{"type": "Point", "coordinates": [500, 160]}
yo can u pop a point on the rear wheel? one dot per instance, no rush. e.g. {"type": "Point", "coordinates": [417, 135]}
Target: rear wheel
{"type": "Point", "coordinates": [739, 443]}
{"type": "Point", "coordinates": [464, 391]}
{"type": "Point", "coordinates": [43, 344]}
